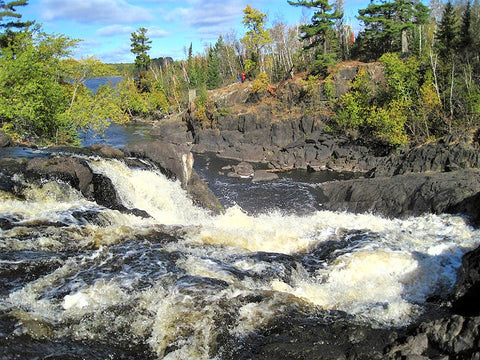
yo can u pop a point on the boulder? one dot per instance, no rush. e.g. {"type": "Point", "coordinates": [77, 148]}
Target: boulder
{"type": "Point", "coordinates": [105, 194]}
{"type": "Point", "coordinates": [202, 195]}
{"type": "Point", "coordinates": [243, 169]}
{"type": "Point", "coordinates": [264, 175]}
{"type": "Point", "coordinates": [174, 161]}
{"type": "Point", "coordinates": [466, 295]}
{"type": "Point", "coordinates": [4, 139]}
{"type": "Point", "coordinates": [71, 170]}
{"type": "Point", "coordinates": [107, 151]}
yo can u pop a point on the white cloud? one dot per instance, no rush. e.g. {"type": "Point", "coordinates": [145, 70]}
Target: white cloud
{"type": "Point", "coordinates": [114, 30]}
{"type": "Point", "coordinates": [208, 13]}
{"type": "Point", "coordinates": [156, 32]}
{"type": "Point", "coordinates": [94, 11]}
{"type": "Point", "coordinates": [121, 54]}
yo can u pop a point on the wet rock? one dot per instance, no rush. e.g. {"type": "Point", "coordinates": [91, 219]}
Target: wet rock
{"type": "Point", "coordinates": [107, 151]}
{"type": "Point", "coordinates": [202, 195]}
{"type": "Point", "coordinates": [5, 140]}
{"type": "Point", "coordinates": [450, 337]}
{"type": "Point", "coordinates": [264, 175]}
{"type": "Point", "coordinates": [466, 295]}
{"type": "Point", "coordinates": [101, 150]}
{"type": "Point", "coordinates": [104, 191]}
{"type": "Point", "coordinates": [243, 170]}
{"type": "Point", "coordinates": [404, 195]}
{"type": "Point", "coordinates": [68, 169]}
{"type": "Point", "coordinates": [174, 161]}
{"type": "Point", "coordinates": [328, 337]}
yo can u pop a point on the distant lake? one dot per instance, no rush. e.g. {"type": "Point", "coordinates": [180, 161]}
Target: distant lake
{"type": "Point", "coordinates": [95, 83]}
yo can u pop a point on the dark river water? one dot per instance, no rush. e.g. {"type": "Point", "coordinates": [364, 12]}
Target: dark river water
{"type": "Point", "coordinates": [80, 281]}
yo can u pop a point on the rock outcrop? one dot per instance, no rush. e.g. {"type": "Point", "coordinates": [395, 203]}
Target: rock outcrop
{"type": "Point", "coordinates": [466, 295]}
{"type": "Point", "coordinates": [174, 161]}
{"type": "Point", "coordinates": [406, 195]}
{"type": "Point", "coordinates": [449, 154]}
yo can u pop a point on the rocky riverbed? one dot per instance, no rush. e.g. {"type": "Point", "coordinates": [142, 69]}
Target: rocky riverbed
{"type": "Point", "coordinates": [435, 178]}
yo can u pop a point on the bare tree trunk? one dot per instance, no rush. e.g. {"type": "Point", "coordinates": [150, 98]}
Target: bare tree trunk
{"type": "Point", "coordinates": [404, 41]}
{"type": "Point", "coordinates": [434, 70]}
{"type": "Point", "coordinates": [451, 91]}
{"type": "Point", "coordinates": [420, 39]}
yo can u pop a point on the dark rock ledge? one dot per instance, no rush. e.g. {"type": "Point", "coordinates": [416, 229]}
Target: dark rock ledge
{"type": "Point", "coordinates": [456, 192]}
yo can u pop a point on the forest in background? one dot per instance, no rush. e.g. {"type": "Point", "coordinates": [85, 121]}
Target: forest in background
{"type": "Point", "coordinates": [430, 60]}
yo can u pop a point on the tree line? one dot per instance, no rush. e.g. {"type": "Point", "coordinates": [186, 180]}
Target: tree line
{"type": "Point", "coordinates": [430, 60]}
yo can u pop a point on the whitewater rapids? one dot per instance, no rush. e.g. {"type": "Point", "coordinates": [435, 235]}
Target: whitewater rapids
{"type": "Point", "coordinates": [175, 280]}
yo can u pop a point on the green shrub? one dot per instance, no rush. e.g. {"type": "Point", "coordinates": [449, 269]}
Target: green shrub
{"type": "Point", "coordinates": [388, 123]}
{"type": "Point", "coordinates": [260, 84]}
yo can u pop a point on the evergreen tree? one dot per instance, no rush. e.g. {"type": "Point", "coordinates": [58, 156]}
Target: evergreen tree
{"type": "Point", "coordinates": [466, 40]}
{"type": "Point", "coordinates": [213, 73]}
{"type": "Point", "coordinates": [446, 36]}
{"type": "Point", "coordinates": [319, 34]}
{"type": "Point", "coordinates": [140, 45]}
{"type": "Point", "coordinates": [387, 25]}
{"type": "Point", "coordinates": [10, 20]}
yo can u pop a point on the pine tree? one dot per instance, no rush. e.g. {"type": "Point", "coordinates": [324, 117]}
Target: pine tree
{"type": "Point", "coordinates": [319, 34]}
{"type": "Point", "coordinates": [446, 36]}
{"type": "Point", "coordinates": [387, 25]}
{"type": "Point", "coordinates": [466, 40]}
{"type": "Point", "coordinates": [140, 45]}
{"type": "Point", "coordinates": [10, 20]}
{"type": "Point", "coordinates": [213, 73]}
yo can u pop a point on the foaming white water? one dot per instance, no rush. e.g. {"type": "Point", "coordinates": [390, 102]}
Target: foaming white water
{"type": "Point", "coordinates": [50, 202]}
{"type": "Point", "coordinates": [217, 278]}
{"type": "Point", "coordinates": [395, 264]}
{"type": "Point", "coordinates": [152, 192]}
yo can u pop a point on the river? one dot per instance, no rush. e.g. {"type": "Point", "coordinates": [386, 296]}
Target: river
{"type": "Point", "coordinates": [81, 281]}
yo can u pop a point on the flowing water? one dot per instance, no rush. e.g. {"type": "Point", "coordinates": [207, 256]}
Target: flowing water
{"type": "Point", "coordinates": [82, 281]}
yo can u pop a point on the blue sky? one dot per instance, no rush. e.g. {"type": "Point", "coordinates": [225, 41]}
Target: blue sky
{"type": "Point", "coordinates": [105, 25]}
